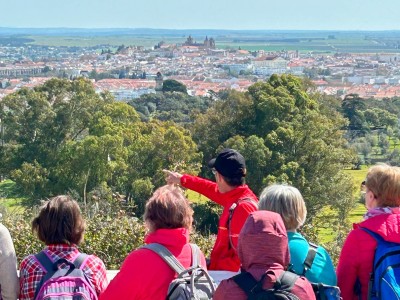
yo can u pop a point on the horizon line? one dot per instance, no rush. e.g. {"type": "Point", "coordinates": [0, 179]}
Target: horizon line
{"type": "Point", "coordinates": [186, 29]}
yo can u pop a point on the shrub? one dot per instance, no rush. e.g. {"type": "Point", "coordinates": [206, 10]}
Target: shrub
{"type": "Point", "coordinates": [206, 217]}
{"type": "Point", "coordinates": [111, 236]}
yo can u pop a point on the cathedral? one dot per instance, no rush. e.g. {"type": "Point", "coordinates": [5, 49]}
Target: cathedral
{"type": "Point", "coordinates": [207, 44]}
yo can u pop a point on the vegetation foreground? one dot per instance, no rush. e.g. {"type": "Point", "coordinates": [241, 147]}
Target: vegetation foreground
{"type": "Point", "coordinates": [64, 138]}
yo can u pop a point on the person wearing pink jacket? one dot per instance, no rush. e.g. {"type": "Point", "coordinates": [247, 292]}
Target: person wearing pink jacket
{"type": "Point", "coordinates": [382, 199]}
{"type": "Point", "coordinates": [144, 274]}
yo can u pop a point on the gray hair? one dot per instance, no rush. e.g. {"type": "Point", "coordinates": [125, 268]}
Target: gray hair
{"type": "Point", "coordinates": [287, 201]}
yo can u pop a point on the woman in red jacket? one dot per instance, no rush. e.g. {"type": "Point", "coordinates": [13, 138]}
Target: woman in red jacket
{"type": "Point", "coordinates": [263, 250]}
{"type": "Point", "coordinates": [382, 199]}
{"type": "Point", "coordinates": [144, 275]}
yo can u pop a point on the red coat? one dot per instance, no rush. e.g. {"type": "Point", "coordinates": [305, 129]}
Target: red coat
{"type": "Point", "coordinates": [357, 254]}
{"type": "Point", "coordinates": [223, 256]}
{"type": "Point", "coordinates": [263, 246]}
{"type": "Point", "coordinates": [144, 275]}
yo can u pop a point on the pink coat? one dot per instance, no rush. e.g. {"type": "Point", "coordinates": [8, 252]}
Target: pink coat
{"type": "Point", "coordinates": [356, 258]}
{"type": "Point", "coordinates": [262, 247]}
{"type": "Point", "coordinates": [144, 275]}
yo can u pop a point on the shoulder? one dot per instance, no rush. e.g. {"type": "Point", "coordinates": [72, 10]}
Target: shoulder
{"type": "Point", "coordinates": [248, 204]}
{"type": "Point", "coordinates": [29, 260]}
{"type": "Point", "coordinates": [358, 235]}
{"type": "Point", "coordinates": [139, 260]}
{"type": "Point", "coordinates": [322, 252]}
{"type": "Point", "coordinates": [3, 229]}
{"type": "Point", "coordinates": [228, 289]}
{"type": "Point", "coordinates": [303, 289]}
{"type": "Point", "coordinates": [297, 242]}
{"type": "Point", "coordinates": [4, 234]}
{"type": "Point", "coordinates": [29, 265]}
{"type": "Point", "coordinates": [94, 263]}
{"type": "Point", "coordinates": [6, 244]}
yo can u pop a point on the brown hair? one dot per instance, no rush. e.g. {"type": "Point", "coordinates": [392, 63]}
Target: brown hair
{"type": "Point", "coordinates": [59, 222]}
{"type": "Point", "coordinates": [168, 208]}
{"type": "Point", "coordinates": [384, 182]}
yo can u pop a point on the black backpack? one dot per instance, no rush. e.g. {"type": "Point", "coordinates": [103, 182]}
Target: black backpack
{"type": "Point", "coordinates": [280, 291]}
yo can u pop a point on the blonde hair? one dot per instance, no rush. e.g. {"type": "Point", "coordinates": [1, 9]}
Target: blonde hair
{"type": "Point", "coordinates": [168, 208]}
{"type": "Point", "coordinates": [384, 182]}
{"type": "Point", "coordinates": [287, 201]}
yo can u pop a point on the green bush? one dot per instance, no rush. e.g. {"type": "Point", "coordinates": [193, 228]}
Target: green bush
{"type": "Point", "coordinates": [206, 216]}
{"type": "Point", "coordinates": [111, 235]}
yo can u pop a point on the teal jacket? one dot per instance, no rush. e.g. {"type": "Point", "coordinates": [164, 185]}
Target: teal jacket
{"type": "Point", "coordinates": [322, 269]}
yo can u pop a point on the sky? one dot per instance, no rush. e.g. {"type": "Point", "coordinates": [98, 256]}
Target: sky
{"type": "Point", "coordinates": [203, 14]}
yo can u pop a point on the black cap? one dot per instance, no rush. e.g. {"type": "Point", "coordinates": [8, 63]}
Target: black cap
{"type": "Point", "coordinates": [229, 163]}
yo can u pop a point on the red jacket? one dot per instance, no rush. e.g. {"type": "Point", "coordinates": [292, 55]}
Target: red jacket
{"type": "Point", "coordinates": [358, 251]}
{"type": "Point", "coordinates": [144, 275]}
{"type": "Point", "coordinates": [263, 246]}
{"type": "Point", "coordinates": [223, 256]}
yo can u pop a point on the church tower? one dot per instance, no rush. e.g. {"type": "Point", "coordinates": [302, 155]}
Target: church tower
{"type": "Point", "coordinates": [159, 82]}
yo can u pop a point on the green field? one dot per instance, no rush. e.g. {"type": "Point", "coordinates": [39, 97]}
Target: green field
{"type": "Point", "coordinates": [9, 196]}
{"type": "Point", "coordinates": [312, 41]}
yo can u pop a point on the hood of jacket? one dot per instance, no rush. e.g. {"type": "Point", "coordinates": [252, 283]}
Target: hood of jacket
{"type": "Point", "coordinates": [263, 242]}
{"type": "Point", "coordinates": [386, 225]}
{"type": "Point", "coordinates": [173, 239]}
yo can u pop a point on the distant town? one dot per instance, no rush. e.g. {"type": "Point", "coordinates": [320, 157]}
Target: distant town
{"type": "Point", "coordinates": [204, 68]}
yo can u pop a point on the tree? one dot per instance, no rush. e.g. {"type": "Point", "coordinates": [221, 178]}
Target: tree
{"type": "Point", "coordinates": [171, 85]}
{"type": "Point", "coordinates": [379, 118]}
{"type": "Point", "coordinates": [170, 106]}
{"type": "Point", "coordinates": [63, 137]}
{"type": "Point", "coordinates": [352, 108]}
{"type": "Point", "coordinates": [295, 139]}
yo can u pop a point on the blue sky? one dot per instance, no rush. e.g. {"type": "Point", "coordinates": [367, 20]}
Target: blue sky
{"type": "Point", "coordinates": [203, 14]}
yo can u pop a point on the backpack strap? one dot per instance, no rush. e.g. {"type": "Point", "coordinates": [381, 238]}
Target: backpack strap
{"type": "Point", "coordinates": [286, 281]}
{"type": "Point", "coordinates": [166, 255]}
{"type": "Point", "coordinates": [51, 267]}
{"type": "Point", "coordinates": [371, 280]}
{"type": "Point", "coordinates": [44, 261]}
{"type": "Point", "coordinates": [231, 211]}
{"type": "Point", "coordinates": [80, 260]}
{"type": "Point", "coordinates": [376, 236]}
{"type": "Point", "coordinates": [196, 258]}
{"type": "Point", "coordinates": [246, 282]}
{"type": "Point", "coordinates": [251, 286]}
{"type": "Point", "coordinates": [312, 252]}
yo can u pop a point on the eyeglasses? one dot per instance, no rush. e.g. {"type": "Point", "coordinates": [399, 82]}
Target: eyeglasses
{"type": "Point", "coordinates": [214, 171]}
{"type": "Point", "coordinates": [363, 187]}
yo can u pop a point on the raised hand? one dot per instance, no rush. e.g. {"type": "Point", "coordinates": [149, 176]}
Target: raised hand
{"type": "Point", "coordinates": [172, 177]}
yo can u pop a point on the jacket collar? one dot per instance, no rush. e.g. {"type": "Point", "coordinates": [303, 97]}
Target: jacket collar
{"type": "Point", "coordinates": [170, 238]}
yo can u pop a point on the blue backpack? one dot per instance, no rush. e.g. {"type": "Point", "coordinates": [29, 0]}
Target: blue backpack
{"type": "Point", "coordinates": [384, 281]}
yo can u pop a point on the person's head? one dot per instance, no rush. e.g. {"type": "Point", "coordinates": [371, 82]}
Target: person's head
{"type": "Point", "coordinates": [168, 209]}
{"type": "Point", "coordinates": [59, 222]}
{"type": "Point", "coordinates": [229, 166]}
{"type": "Point", "coordinates": [287, 201]}
{"type": "Point", "coordinates": [382, 186]}
{"type": "Point", "coordinates": [263, 241]}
